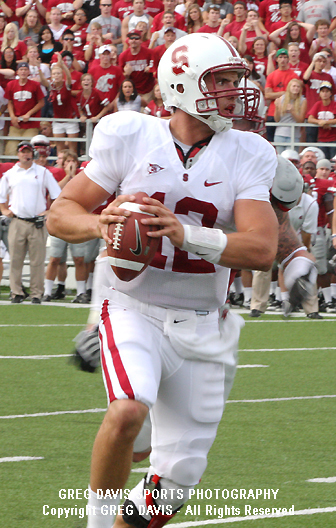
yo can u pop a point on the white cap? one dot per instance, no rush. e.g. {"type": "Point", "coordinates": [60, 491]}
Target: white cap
{"type": "Point", "coordinates": [104, 48]}
{"type": "Point", "coordinates": [319, 153]}
{"type": "Point", "coordinates": [40, 139]}
{"type": "Point", "coordinates": [290, 155]}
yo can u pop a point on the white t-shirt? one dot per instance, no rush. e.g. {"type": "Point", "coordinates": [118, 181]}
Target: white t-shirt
{"type": "Point", "coordinates": [134, 152]}
{"type": "Point", "coordinates": [27, 189]}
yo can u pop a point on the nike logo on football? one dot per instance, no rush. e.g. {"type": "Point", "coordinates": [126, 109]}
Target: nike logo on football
{"type": "Point", "coordinates": [137, 251]}
{"type": "Point", "coordinates": [210, 184]}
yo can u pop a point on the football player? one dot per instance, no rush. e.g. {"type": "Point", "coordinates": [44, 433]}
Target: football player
{"type": "Point", "coordinates": [167, 342]}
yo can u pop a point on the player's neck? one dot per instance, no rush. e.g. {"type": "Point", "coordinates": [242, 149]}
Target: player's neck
{"type": "Point", "coordinates": [188, 129]}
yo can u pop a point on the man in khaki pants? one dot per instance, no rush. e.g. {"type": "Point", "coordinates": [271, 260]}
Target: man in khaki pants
{"type": "Point", "coordinates": [23, 192]}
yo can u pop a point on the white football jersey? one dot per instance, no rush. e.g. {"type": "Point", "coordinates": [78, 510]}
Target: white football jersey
{"type": "Point", "coordinates": [134, 152]}
{"type": "Point", "coordinates": [304, 215]}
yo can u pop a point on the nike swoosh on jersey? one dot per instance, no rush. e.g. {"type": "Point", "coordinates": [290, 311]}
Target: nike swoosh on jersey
{"type": "Point", "coordinates": [209, 184]}
{"type": "Point", "coordinates": [137, 251]}
{"type": "Point", "coordinates": [182, 321]}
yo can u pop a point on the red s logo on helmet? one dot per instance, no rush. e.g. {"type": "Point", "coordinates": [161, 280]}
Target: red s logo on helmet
{"type": "Point", "coordinates": [180, 59]}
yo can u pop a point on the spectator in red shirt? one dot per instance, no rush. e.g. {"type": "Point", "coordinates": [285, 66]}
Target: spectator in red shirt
{"type": "Point", "coordinates": [122, 8]}
{"type": "Point", "coordinates": [295, 63]}
{"type": "Point", "coordinates": [295, 32]}
{"type": "Point", "coordinates": [61, 98]}
{"type": "Point", "coordinates": [39, 6]}
{"type": "Point", "coordinates": [107, 77]}
{"type": "Point", "coordinates": [155, 107]}
{"type": "Point", "coordinates": [276, 84]}
{"type": "Point", "coordinates": [153, 7]}
{"type": "Point", "coordinates": [67, 11]}
{"type": "Point", "coordinates": [214, 21]}
{"type": "Point", "coordinates": [259, 55]}
{"type": "Point", "coordinates": [25, 100]}
{"type": "Point", "coordinates": [129, 22]}
{"type": "Point", "coordinates": [11, 38]}
{"type": "Point", "coordinates": [252, 29]}
{"type": "Point", "coordinates": [323, 114]}
{"type": "Point", "coordinates": [235, 28]}
{"type": "Point", "coordinates": [169, 38]}
{"type": "Point", "coordinates": [90, 104]}
{"type": "Point", "coordinates": [8, 8]}
{"type": "Point", "coordinates": [137, 64]}
{"type": "Point", "coordinates": [322, 41]}
{"type": "Point", "coordinates": [270, 12]}
{"type": "Point", "coordinates": [79, 30]}
{"type": "Point", "coordinates": [313, 77]}
{"type": "Point", "coordinates": [169, 5]}
{"type": "Point", "coordinates": [168, 20]}
{"type": "Point", "coordinates": [67, 40]}
{"type": "Point", "coordinates": [95, 40]}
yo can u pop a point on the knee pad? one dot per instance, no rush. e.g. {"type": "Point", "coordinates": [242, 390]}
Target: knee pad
{"type": "Point", "coordinates": [154, 501]}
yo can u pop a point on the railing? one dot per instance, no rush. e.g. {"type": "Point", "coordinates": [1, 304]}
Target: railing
{"type": "Point", "coordinates": [86, 139]}
{"type": "Point", "coordinates": [295, 145]}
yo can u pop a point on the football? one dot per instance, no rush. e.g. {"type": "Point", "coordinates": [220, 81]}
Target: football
{"type": "Point", "coordinates": [131, 250]}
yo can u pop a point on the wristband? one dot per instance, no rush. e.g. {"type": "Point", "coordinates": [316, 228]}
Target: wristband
{"type": "Point", "coordinates": [205, 242]}
{"type": "Point", "coordinates": [333, 235]}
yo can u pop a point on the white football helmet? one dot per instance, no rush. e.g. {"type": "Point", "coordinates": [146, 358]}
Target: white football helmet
{"type": "Point", "coordinates": [41, 145]}
{"type": "Point", "coordinates": [251, 119]}
{"type": "Point", "coordinates": [287, 184]}
{"type": "Point", "coordinates": [181, 75]}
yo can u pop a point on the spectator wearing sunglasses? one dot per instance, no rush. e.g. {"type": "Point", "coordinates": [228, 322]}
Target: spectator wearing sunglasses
{"type": "Point", "coordinates": [111, 25]}
{"type": "Point", "coordinates": [67, 40]}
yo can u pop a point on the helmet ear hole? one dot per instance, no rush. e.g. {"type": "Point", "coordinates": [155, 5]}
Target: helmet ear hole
{"type": "Point", "coordinates": [180, 88]}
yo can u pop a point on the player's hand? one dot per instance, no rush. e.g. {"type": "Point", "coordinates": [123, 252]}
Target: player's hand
{"type": "Point", "coordinates": [170, 225]}
{"type": "Point", "coordinates": [113, 214]}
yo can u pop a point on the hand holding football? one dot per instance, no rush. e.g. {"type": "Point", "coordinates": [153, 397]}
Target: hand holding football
{"type": "Point", "coordinates": [131, 250]}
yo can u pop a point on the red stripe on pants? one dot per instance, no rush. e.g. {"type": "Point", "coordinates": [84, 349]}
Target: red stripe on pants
{"type": "Point", "coordinates": [117, 363]}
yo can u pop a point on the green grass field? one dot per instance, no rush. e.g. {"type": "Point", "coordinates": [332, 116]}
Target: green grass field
{"type": "Point", "coordinates": [278, 430]}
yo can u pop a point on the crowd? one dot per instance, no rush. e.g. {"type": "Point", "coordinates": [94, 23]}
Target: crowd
{"type": "Point", "coordinates": [81, 60]}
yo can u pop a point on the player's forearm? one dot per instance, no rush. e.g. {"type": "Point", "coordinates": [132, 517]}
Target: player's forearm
{"type": "Point", "coordinates": [288, 240]}
{"type": "Point", "coordinates": [251, 250]}
{"type": "Point", "coordinates": [71, 222]}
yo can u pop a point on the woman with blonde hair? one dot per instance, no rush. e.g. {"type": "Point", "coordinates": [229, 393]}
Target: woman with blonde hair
{"type": "Point", "coordinates": [31, 27]}
{"type": "Point", "coordinates": [289, 108]}
{"type": "Point", "coordinates": [11, 39]}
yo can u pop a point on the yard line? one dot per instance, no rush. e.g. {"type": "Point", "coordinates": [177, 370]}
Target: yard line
{"type": "Point", "coordinates": [282, 399]}
{"type": "Point", "coordinates": [39, 325]}
{"type": "Point", "coordinates": [140, 470]}
{"type": "Point", "coordinates": [308, 511]}
{"type": "Point", "coordinates": [284, 349]}
{"type": "Point", "coordinates": [37, 357]}
{"type": "Point", "coordinates": [19, 458]}
{"type": "Point", "coordinates": [45, 356]}
{"type": "Point", "coordinates": [56, 413]}
{"type": "Point", "coordinates": [328, 480]}
{"type": "Point", "coordinates": [253, 366]}
{"type": "Point", "coordinates": [288, 321]}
